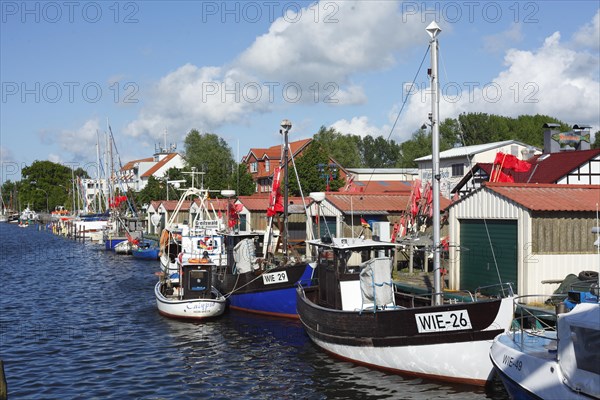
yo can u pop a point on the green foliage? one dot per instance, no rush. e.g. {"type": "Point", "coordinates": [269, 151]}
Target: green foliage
{"type": "Point", "coordinates": [379, 153]}
{"type": "Point", "coordinates": [45, 185]}
{"type": "Point", "coordinates": [595, 142]}
{"type": "Point", "coordinates": [342, 148]}
{"type": "Point", "coordinates": [311, 177]}
{"type": "Point", "coordinates": [210, 154]}
{"type": "Point", "coordinates": [242, 182]}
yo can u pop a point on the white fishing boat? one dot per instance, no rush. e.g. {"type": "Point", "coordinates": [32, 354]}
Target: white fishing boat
{"type": "Point", "coordinates": [355, 312]}
{"type": "Point", "coordinates": [552, 364]}
{"type": "Point", "coordinates": [189, 294]}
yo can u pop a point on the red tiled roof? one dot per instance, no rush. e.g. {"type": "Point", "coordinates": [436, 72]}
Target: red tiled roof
{"type": "Point", "coordinates": [261, 202]}
{"type": "Point", "coordinates": [170, 205]}
{"type": "Point", "coordinates": [374, 203]}
{"type": "Point", "coordinates": [549, 168]}
{"type": "Point", "coordinates": [216, 204]}
{"type": "Point", "coordinates": [549, 197]}
{"type": "Point", "coordinates": [159, 165]}
{"type": "Point", "coordinates": [399, 187]}
{"type": "Point", "coordinates": [131, 164]}
{"type": "Point", "coordinates": [274, 152]}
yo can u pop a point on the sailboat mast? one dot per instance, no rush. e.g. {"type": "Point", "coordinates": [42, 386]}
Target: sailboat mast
{"type": "Point", "coordinates": [433, 29]}
{"type": "Point", "coordinates": [286, 125]}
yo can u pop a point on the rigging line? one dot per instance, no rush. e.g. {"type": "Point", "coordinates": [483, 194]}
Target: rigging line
{"type": "Point", "coordinates": [402, 108]}
{"type": "Point", "coordinates": [487, 229]}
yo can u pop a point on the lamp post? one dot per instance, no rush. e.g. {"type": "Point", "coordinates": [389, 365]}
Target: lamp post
{"type": "Point", "coordinates": [286, 125]}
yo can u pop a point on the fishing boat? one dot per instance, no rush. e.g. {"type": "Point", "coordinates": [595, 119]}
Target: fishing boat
{"type": "Point", "coordinates": [254, 284]}
{"type": "Point", "coordinates": [185, 288]}
{"type": "Point", "coordinates": [354, 311]}
{"type": "Point", "coordinates": [561, 363]}
{"type": "Point", "coordinates": [182, 241]}
{"type": "Point", "coordinates": [255, 279]}
{"type": "Point", "coordinates": [146, 250]}
{"type": "Point", "coordinates": [190, 294]}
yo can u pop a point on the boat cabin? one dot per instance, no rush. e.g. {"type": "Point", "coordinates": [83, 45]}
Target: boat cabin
{"type": "Point", "coordinates": [354, 274]}
{"type": "Point", "coordinates": [196, 281]}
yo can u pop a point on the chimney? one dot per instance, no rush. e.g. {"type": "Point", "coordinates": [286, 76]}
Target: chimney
{"type": "Point", "coordinates": [551, 145]}
{"type": "Point", "coordinates": [584, 135]}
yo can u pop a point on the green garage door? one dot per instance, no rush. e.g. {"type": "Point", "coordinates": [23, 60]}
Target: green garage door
{"type": "Point", "coordinates": [477, 267]}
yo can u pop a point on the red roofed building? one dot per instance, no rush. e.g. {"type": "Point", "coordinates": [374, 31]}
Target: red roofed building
{"type": "Point", "coordinates": [567, 167]}
{"type": "Point", "coordinates": [261, 162]}
{"type": "Point", "coordinates": [533, 232]}
{"type": "Point", "coordinates": [135, 174]}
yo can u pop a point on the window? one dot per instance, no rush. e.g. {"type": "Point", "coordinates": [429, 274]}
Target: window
{"type": "Point", "coordinates": [458, 169]}
{"type": "Point", "coordinates": [253, 167]}
{"type": "Point", "coordinates": [267, 165]}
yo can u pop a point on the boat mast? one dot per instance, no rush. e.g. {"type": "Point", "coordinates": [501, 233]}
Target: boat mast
{"type": "Point", "coordinates": [286, 125]}
{"type": "Point", "coordinates": [434, 30]}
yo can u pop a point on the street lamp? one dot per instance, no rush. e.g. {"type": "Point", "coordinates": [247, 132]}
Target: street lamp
{"type": "Point", "coordinates": [286, 125]}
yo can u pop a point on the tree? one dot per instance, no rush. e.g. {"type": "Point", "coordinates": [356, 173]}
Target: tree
{"type": "Point", "coordinates": [342, 148]}
{"type": "Point", "coordinates": [596, 142]}
{"type": "Point", "coordinates": [45, 184]}
{"type": "Point", "coordinates": [210, 154]}
{"type": "Point", "coordinates": [242, 181]}
{"type": "Point", "coordinates": [313, 170]}
{"type": "Point", "coordinates": [379, 153]}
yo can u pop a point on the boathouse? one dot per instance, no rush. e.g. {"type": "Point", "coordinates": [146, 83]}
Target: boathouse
{"type": "Point", "coordinates": [532, 232]}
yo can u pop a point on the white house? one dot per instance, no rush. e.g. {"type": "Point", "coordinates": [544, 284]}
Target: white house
{"type": "Point", "coordinates": [454, 163]}
{"type": "Point", "coordinates": [135, 174]}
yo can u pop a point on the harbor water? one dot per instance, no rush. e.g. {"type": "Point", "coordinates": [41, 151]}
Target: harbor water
{"type": "Point", "coordinates": [77, 321]}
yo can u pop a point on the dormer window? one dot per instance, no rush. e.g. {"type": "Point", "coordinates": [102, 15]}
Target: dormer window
{"type": "Point", "coordinates": [267, 165]}
{"type": "Point", "coordinates": [253, 167]}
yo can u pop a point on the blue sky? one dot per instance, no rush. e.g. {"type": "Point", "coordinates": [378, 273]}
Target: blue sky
{"type": "Point", "coordinates": [238, 68]}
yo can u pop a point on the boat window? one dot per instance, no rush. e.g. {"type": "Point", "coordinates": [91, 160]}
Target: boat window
{"type": "Point", "coordinates": [585, 344]}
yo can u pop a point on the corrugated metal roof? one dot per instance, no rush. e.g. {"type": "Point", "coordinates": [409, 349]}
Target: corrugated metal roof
{"type": "Point", "coordinates": [261, 202]}
{"type": "Point", "coordinates": [399, 187]}
{"type": "Point", "coordinates": [471, 150]}
{"type": "Point", "coordinates": [549, 197]}
{"type": "Point", "coordinates": [374, 203]}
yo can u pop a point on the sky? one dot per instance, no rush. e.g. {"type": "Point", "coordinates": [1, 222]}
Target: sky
{"type": "Point", "coordinates": [154, 70]}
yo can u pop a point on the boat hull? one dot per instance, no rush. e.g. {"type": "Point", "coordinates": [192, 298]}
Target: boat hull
{"type": "Point", "coordinates": [146, 254]}
{"type": "Point", "coordinates": [109, 244]}
{"type": "Point", "coordinates": [528, 368]}
{"type": "Point", "coordinates": [192, 309]}
{"type": "Point", "coordinates": [390, 339]}
{"type": "Point", "coordinates": [253, 293]}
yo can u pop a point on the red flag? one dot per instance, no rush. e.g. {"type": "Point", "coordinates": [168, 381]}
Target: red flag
{"type": "Point", "coordinates": [365, 224]}
{"type": "Point", "coordinates": [415, 197]}
{"type": "Point", "coordinates": [499, 176]}
{"type": "Point", "coordinates": [275, 198]}
{"type": "Point", "coordinates": [511, 162]}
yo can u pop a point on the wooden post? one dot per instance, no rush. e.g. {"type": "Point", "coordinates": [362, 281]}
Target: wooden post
{"type": "Point", "coordinates": [3, 385]}
{"type": "Point", "coordinates": [411, 252]}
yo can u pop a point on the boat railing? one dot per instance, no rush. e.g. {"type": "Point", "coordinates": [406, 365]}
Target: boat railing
{"type": "Point", "coordinates": [498, 290]}
{"type": "Point", "coordinates": [533, 317]}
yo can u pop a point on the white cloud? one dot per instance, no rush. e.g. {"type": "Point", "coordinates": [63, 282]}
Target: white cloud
{"type": "Point", "coordinates": [589, 34]}
{"type": "Point", "coordinates": [80, 143]}
{"type": "Point", "coordinates": [553, 80]}
{"type": "Point", "coordinates": [359, 126]}
{"type": "Point", "coordinates": [302, 59]}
